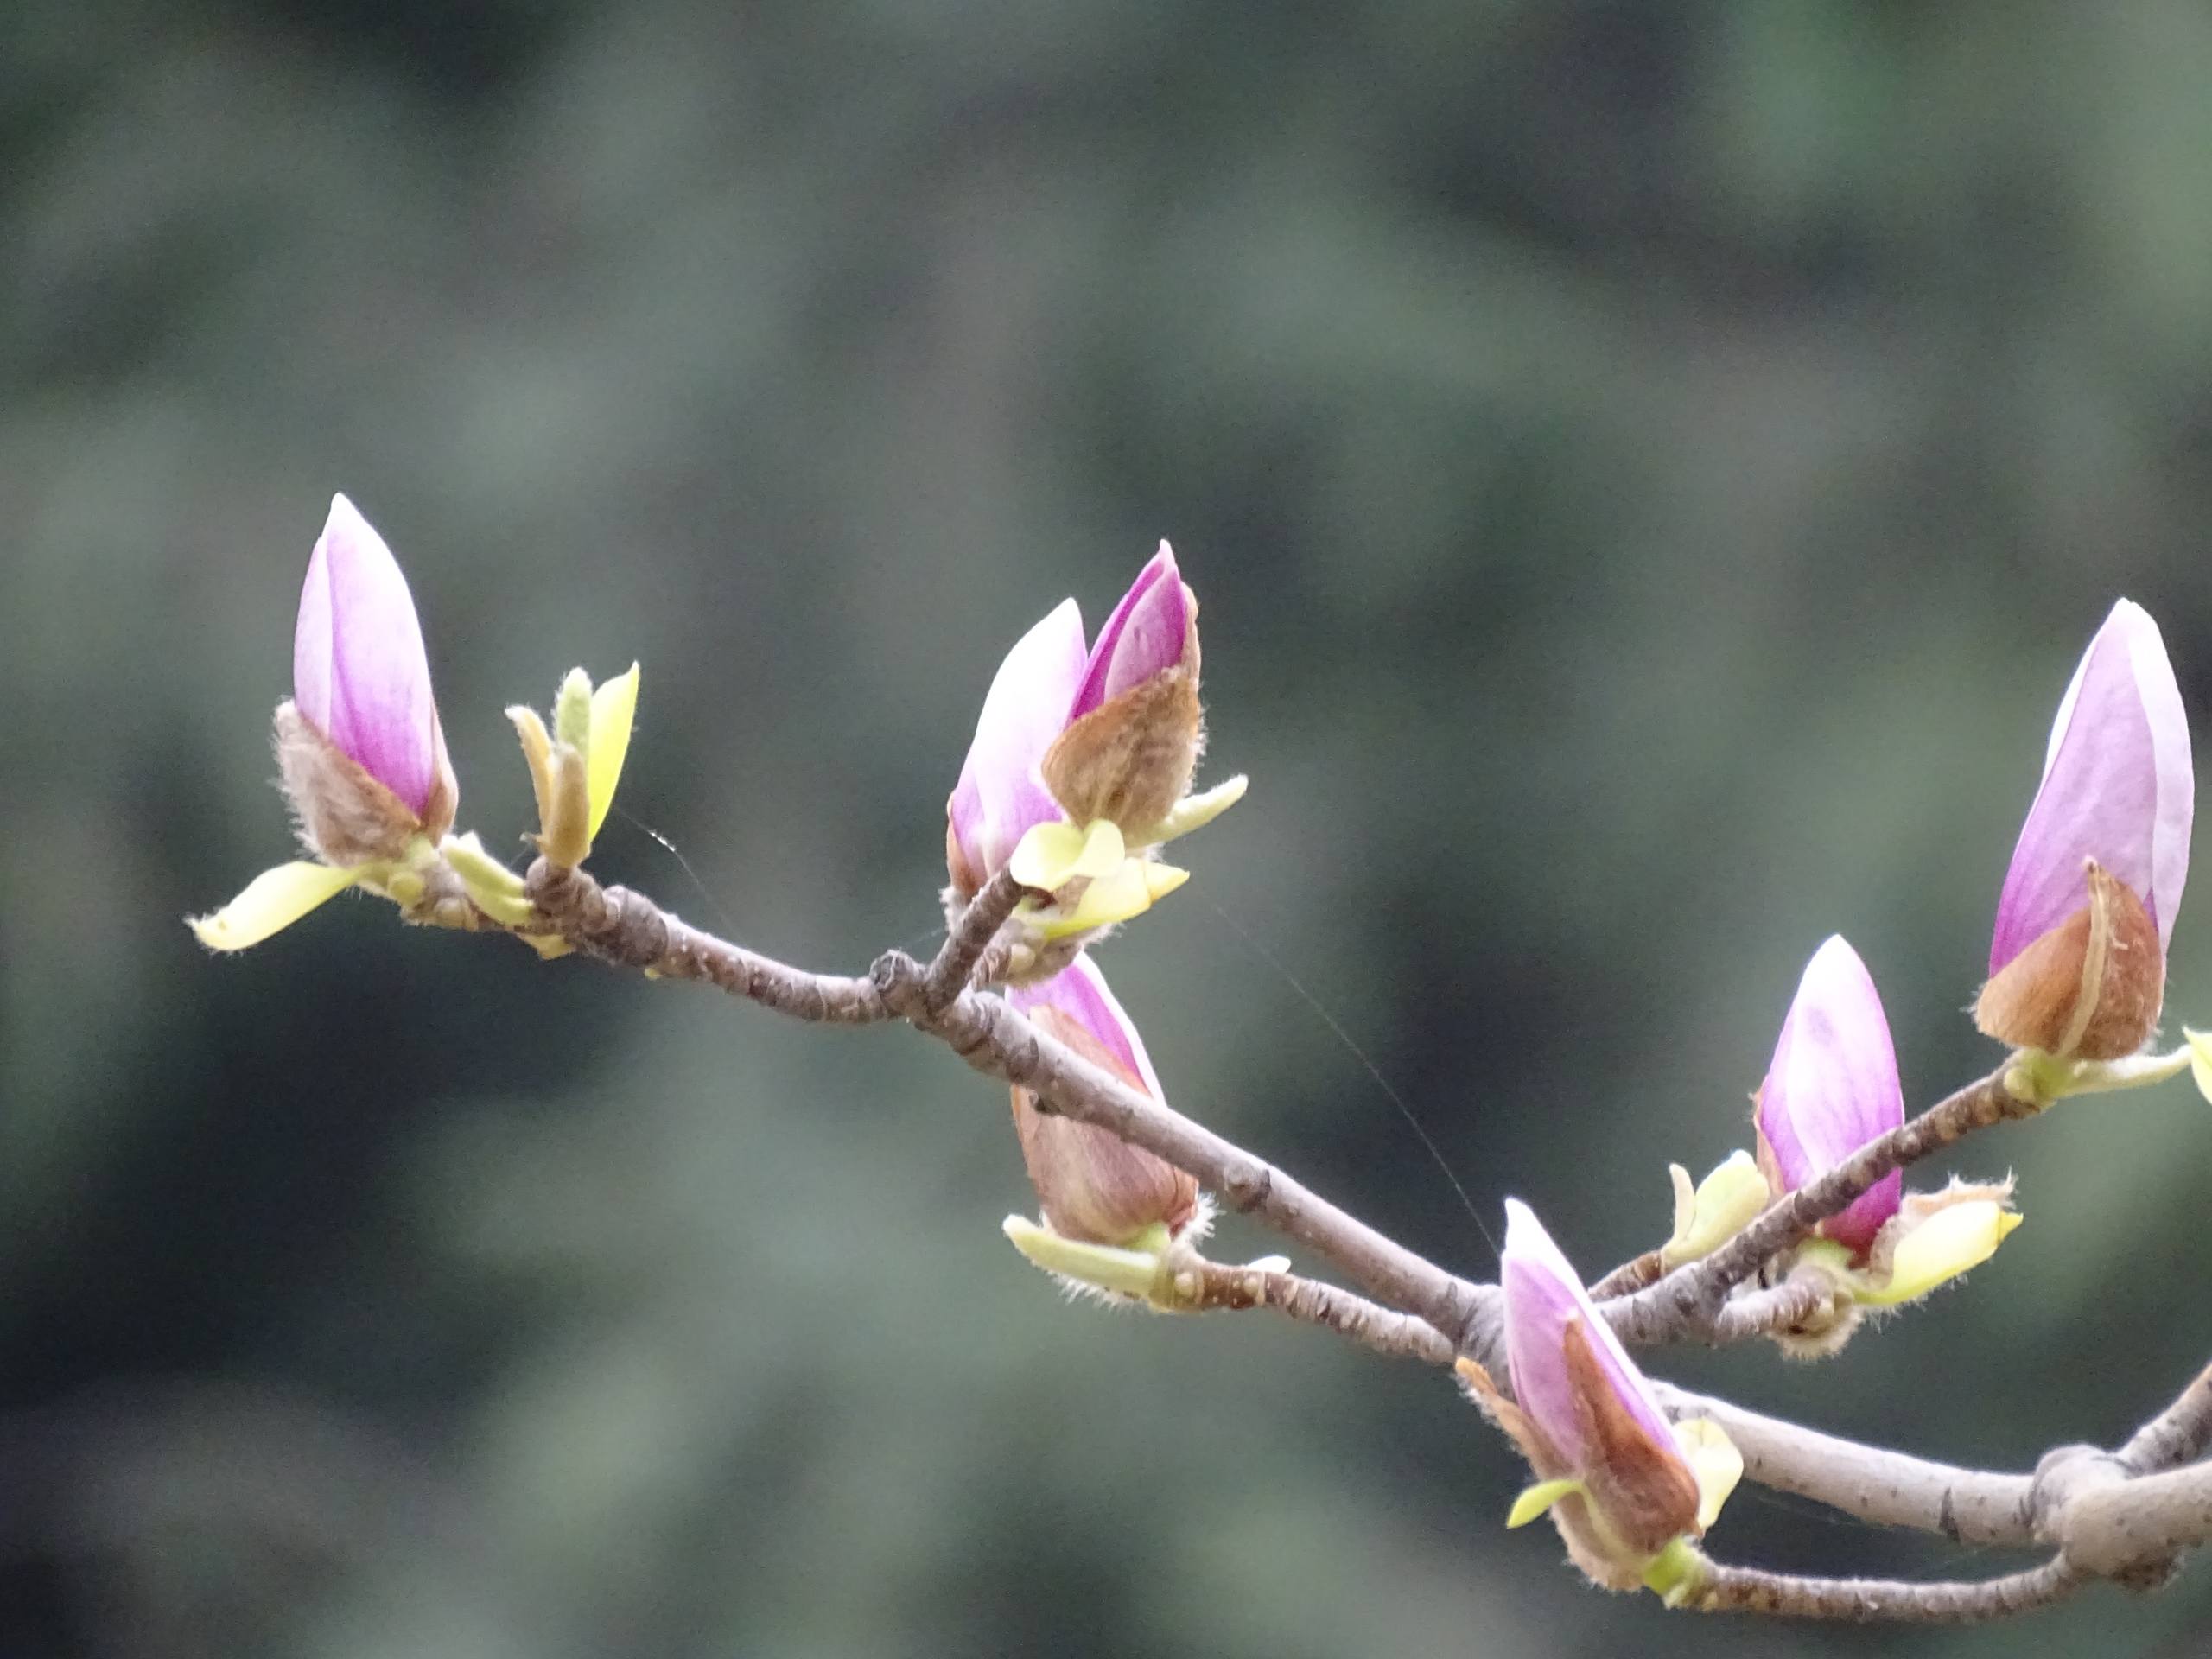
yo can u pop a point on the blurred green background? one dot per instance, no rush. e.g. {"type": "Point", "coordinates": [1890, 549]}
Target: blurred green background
{"type": "Point", "coordinates": [1648, 471]}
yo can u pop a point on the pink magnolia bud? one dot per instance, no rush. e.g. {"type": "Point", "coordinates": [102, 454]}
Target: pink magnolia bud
{"type": "Point", "coordinates": [1582, 1412]}
{"type": "Point", "coordinates": [1094, 1186]}
{"type": "Point", "coordinates": [2077, 959]}
{"type": "Point", "coordinates": [1831, 1088]}
{"type": "Point", "coordinates": [363, 756]}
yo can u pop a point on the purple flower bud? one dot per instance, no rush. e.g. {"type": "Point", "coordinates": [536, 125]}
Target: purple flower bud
{"type": "Point", "coordinates": [2077, 958]}
{"type": "Point", "coordinates": [2118, 787]}
{"type": "Point", "coordinates": [360, 674]}
{"type": "Point", "coordinates": [1000, 796]}
{"type": "Point", "coordinates": [1145, 636]}
{"type": "Point", "coordinates": [1092, 1184]}
{"type": "Point", "coordinates": [1586, 1419]}
{"type": "Point", "coordinates": [1542, 1297]}
{"type": "Point", "coordinates": [1831, 1088]}
{"type": "Point", "coordinates": [1111, 734]}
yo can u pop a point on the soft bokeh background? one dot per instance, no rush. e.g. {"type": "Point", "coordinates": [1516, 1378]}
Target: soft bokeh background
{"type": "Point", "coordinates": [1648, 471]}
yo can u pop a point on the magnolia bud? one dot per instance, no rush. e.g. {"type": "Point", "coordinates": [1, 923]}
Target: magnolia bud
{"type": "Point", "coordinates": [2077, 957]}
{"type": "Point", "coordinates": [1080, 767]}
{"type": "Point", "coordinates": [363, 758]}
{"type": "Point", "coordinates": [1831, 1088]}
{"type": "Point", "coordinates": [1092, 1184]}
{"type": "Point", "coordinates": [1620, 1482]}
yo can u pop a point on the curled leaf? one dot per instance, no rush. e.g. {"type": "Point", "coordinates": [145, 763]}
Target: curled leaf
{"type": "Point", "coordinates": [272, 901]}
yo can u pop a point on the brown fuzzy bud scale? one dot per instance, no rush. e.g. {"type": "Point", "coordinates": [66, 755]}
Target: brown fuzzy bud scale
{"type": "Point", "coordinates": [1645, 1492]}
{"type": "Point", "coordinates": [1638, 1497]}
{"type": "Point", "coordinates": [2090, 989]}
{"type": "Point", "coordinates": [1131, 758]}
{"type": "Point", "coordinates": [344, 816]}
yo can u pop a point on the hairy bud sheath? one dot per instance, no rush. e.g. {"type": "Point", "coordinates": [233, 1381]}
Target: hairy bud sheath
{"type": "Point", "coordinates": [1092, 1184]}
{"type": "Point", "coordinates": [2077, 957]}
{"type": "Point", "coordinates": [2090, 989]}
{"type": "Point", "coordinates": [1133, 734]}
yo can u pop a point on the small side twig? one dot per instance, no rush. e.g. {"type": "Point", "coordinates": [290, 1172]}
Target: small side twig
{"type": "Point", "coordinates": [2176, 1435]}
{"type": "Point", "coordinates": [1205, 1287]}
{"type": "Point", "coordinates": [954, 968]}
{"type": "Point", "coordinates": [1632, 1275]}
{"type": "Point", "coordinates": [1685, 1302]}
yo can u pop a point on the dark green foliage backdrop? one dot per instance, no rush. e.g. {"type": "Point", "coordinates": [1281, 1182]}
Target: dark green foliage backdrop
{"type": "Point", "coordinates": [1648, 471]}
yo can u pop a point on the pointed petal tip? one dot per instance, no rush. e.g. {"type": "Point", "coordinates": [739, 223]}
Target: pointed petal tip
{"type": "Point", "coordinates": [1522, 1225]}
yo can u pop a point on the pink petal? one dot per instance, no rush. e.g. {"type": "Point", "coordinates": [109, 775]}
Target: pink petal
{"type": "Point", "coordinates": [1000, 797]}
{"type": "Point", "coordinates": [2118, 786]}
{"type": "Point", "coordinates": [1833, 1087]}
{"type": "Point", "coordinates": [359, 673]}
{"type": "Point", "coordinates": [1541, 1294]}
{"type": "Point", "coordinates": [1145, 634]}
{"type": "Point", "coordinates": [1079, 991]}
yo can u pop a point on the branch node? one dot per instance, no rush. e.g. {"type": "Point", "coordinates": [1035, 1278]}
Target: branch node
{"type": "Point", "coordinates": [897, 980]}
{"type": "Point", "coordinates": [1248, 1189]}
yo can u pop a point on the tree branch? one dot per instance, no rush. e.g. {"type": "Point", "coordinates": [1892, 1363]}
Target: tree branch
{"type": "Point", "coordinates": [630, 931]}
{"type": "Point", "coordinates": [1632, 1275]}
{"type": "Point", "coordinates": [2136, 1530]}
{"type": "Point", "coordinates": [996, 1039]}
{"type": "Point", "coordinates": [1888, 1489]}
{"type": "Point", "coordinates": [2126, 1517]}
{"type": "Point", "coordinates": [626, 928]}
{"type": "Point", "coordinates": [1208, 1285]}
{"type": "Point", "coordinates": [954, 970]}
{"type": "Point", "coordinates": [1750, 1590]}
{"type": "Point", "coordinates": [1783, 1307]}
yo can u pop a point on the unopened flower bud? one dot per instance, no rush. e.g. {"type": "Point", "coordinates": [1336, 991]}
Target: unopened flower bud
{"type": "Point", "coordinates": [2077, 958]}
{"type": "Point", "coordinates": [1623, 1485]}
{"type": "Point", "coordinates": [1078, 754]}
{"type": "Point", "coordinates": [363, 758]}
{"type": "Point", "coordinates": [1831, 1088]}
{"type": "Point", "coordinates": [1093, 1186]}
